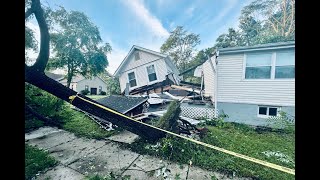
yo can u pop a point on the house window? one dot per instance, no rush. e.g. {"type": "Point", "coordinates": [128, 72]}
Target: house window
{"type": "Point", "coordinates": [285, 65]}
{"type": "Point", "coordinates": [136, 56]}
{"type": "Point", "coordinates": [100, 89]}
{"type": "Point", "coordinates": [86, 87]}
{"type": "Point", "coordinates": [258, 66]}
{"type": "Point", "coordinates": [132, 79]}
{"type": "Point", "coordinates": [266, 111]}
{"type": "Point", "coordinates": [151, 73]}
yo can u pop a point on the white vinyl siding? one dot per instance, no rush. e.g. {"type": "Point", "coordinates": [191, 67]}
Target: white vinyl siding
{"type": "Point", "coordinates": [232, 87]}
{"type": "Point", "coordinates": [91, 83]}
{"type": "Point", "coordinates": [208, 79]}
{"type": "Point", "coordinates": [141, 74]}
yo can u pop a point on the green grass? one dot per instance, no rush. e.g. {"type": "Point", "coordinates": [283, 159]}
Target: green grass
{"type": "Point", "coordinates": [83, 126]}
{"type": "Point", "coordinates": [238, 138]}
{"type": "Point", "coordinates": [94, 97]}
{"type": "Point", "coordinates": [36, 160]}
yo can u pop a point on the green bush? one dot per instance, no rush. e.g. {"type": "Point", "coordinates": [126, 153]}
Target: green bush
{"type": "Point", "coordinates": [169, 120]}
{"type": "Point", "coordinates": [103, 93]}
{"type": "Point", "coordinates": [283, 122]}
{"type": "Point", "coordinates": [84, 92]}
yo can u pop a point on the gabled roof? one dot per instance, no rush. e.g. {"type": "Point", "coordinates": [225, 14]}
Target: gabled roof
{"type": "Point", "coordinates": [122, 104]}
{"type": "Point", "coordinates": [278, 45]}
{"type": "Point", "coordinates": [54, 76]}
{"type": "Point", "coordinates": [135, 47]}
{"type": "Point", "coordinates": [77, 79]}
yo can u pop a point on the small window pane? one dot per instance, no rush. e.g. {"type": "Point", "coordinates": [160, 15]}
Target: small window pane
{"type": "Point", "coordinates": [263, 110]}
{"type": "Point", "coordinates": [285, 72]}
{"type": "Point", "coordinates": [133, 83]}
{"type": "Point", "coordinates": [131, 76]}
{"type": "Point", "coordinates": [152, 77]}
{"type": "Point", "coordinates": [150, 69]}
{"type": "Point", "coordinates": [285, 58]}
{"type": "Point", "coordinates": [151, 73]}
{"type": "Point", "coordinates": [258, 60]}
{"type": "Point", "coordinates": [263, 72]}
{"type": "Point", "coordinates": [273, 111]}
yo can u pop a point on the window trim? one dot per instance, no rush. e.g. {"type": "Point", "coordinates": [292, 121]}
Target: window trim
{"type": "Point", "coordinates": [155, 69]}
{"type": "Point", "coordinates": [135, 75]}
{"type": "Point", "coordinates": [100, 89]}
{"type": "Point", "coordinates": [267, 116]}
{"type": "Point", "coordinates": [85, 87]}
{"type": "Point", "coordinates": [273, 68]}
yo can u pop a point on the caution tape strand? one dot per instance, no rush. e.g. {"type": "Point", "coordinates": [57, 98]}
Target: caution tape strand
{"type": "Point", "coordinates": [258, 161]}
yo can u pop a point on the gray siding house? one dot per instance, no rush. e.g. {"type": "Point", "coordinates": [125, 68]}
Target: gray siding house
{"type": "Point", "coordinates": [144, 67]}
{"type": "Point", "coordinates": [252, 83]}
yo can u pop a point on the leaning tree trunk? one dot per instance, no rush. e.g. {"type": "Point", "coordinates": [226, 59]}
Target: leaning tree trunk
{"type": "Point", "coordinates": [40, 80]}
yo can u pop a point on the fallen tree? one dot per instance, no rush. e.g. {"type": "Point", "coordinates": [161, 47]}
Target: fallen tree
{"type": "Point", "coordinates": [35, 75]}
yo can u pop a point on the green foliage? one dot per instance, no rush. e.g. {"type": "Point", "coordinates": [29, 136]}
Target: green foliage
{"type": "Point", "coordinates": [113, 85]}
{"type": "Point", "coordinates": [283, 122]}
{"type": "Point", "coordinates": [30, 40]}
{"type": "Point", "coordinates": [232, 39]}
{"type": "Point", "coordinates": [180, 45]}
{"type": "Point", "coordinates": [83, 126]}
{"type": "Point", "coordinates": [77, 45]}
{"type": "Point", "coordinates": [103, 93]}
{"type": "Point", "coordinates": [235, 137]}
{"type": "Point", "coordinates": [36, 160]}
{"type": "Point", "coordinates": [84, 92]}
{"type": "Point", "coordinates": [32, 123]}
{"type": "Point", "coordinates": [45, 104]}
{"type": "Point", "coordinates": [169, 120]}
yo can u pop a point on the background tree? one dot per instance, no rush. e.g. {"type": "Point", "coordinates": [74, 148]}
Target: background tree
{"type": "Point", "coordinates": [232, 39]}
{"type": "Point", "coordinates": [77, 45]}
{"type": "Point", "coordinates": [34, 74]}
{"type": "Point", "coordinates": [181, 46]}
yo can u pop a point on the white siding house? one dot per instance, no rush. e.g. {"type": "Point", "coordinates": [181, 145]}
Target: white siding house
{"type": "Point", "coordinates": [94, 85]}
{"type": "Point", "coordinates": [253, 83]}
{"type": "Point", "coordinates": [143, 67]}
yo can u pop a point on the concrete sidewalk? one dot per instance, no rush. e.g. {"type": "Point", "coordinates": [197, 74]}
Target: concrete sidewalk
{"type": "Point", "coordinates": [80, 157]}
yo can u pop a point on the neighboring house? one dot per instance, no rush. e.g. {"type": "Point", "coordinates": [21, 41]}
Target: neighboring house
{"type": "Point", "coordinates": [54, 76]}
{"type": "Point", "coordinates": [129, 106]}
{"type": "Point", "coordinates": [142, 68]}
{"type": "Point", "coordinates": [94, 85]}
{"type": "Point", "coordinates": [252, 83]}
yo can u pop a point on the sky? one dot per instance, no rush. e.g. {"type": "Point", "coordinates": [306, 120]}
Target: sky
{"type": "Point", "coordinates": [148, 23]}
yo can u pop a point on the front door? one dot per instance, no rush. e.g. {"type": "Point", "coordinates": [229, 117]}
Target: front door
{"type": "Point", "coordinates": [93, 91]}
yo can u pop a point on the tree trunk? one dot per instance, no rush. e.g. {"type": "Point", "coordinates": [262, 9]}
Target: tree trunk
{"type": "Point", "coordinates": [40, 80]}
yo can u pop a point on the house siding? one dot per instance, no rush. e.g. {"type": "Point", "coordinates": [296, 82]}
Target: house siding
{"type": "Point", "coordinates": [208, 79]}
{"type": "Point", "coordinates": [139, 67]}
{"type": "Point", "coordinates": [247, 113]}
{"type": "Point", "coordinates": [92, 83]}
{"type": "Point", "coordinates": [232, 88]}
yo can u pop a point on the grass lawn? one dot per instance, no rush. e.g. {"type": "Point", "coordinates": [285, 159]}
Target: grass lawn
{"type": "Point", "coordinates": [94, 97]}
{"type": "Point", "coordinates": [278, 148]}
{"type": "Point", "coordinates": [36, 160]}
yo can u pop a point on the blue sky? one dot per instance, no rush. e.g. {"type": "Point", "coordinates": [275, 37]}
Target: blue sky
{"type": "Point", "coordinates": [147, 23]}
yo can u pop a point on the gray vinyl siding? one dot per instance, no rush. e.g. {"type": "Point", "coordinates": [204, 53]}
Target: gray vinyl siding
{"type": "Point", "coordinates": [139, 67]}
{"type": "Point", "coordinates": [92, 83]}
{"type": "Point", "coordinates": [234, 89]}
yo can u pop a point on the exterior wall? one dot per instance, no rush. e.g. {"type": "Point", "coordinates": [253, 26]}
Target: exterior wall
{"type": "Point", "coordinates": [140, 69]}
{"type": "Point", "coordinates": [92, 83]}
{"type": "Point", "coordinates": [208, 78]}
{"type": "Point", "coordinates": [247, 113]}
{"type": "Point", "coordinates": [233, 88]}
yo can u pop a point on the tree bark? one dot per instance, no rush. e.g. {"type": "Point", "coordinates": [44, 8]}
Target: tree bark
{"type": "Point", "coordinates": [40, 80]}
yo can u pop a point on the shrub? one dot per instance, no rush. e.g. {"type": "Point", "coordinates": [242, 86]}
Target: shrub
{"type": "Point", "coordinates": [84, 92]}
{"type": "Point", "coordinates": [169, 120]}
{"type": "Point", "coordinates": [103, 93]}
{"type": "Point", "coordinates": [283, 122]}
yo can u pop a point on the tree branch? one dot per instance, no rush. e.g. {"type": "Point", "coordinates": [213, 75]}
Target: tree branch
{"type": "Point", "coordinates": [43, 56]}
{"type": "Point", "coordinates": [39, 116]}
{"type": "Point", "coordinates": [28, 13]}
{"type": "Point", "coordinates": [292, 15]}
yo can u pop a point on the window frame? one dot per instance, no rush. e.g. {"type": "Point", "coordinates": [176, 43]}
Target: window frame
{"type": "Point", "coordinates": [86, 87]}
{"type": "Point", "coordinates": [273, 67]}
{"type": "Point", "coordinates": [100, 89]}
{"type": "Point", "coordinates": [155, 71]}
{"type": "Point", "coordinates": [135, 77]}
{"type": "Point", "coordinates": [267, 115]}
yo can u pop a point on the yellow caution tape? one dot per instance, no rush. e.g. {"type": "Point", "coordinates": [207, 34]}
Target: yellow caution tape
{"type": "Point", "coordinates": [258, 161]}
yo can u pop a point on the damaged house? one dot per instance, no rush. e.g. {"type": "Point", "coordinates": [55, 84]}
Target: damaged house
{"type": "Point", "coordinates": [144, 70]}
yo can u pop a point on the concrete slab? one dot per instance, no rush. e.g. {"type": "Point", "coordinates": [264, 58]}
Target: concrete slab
{"type": "Point", "coordinates": [61, 173]}
{"type": "Point", "coordinates": [124, 137]}
{"type": "Point", "coordinates": [43, 131]}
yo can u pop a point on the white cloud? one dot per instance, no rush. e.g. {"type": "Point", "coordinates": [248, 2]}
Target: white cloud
{"type": "Point", "coordinates": [228, 7]}
{"type": "Point", "coordinates": [150, 22]}
{"type": "Point", "coordinates": [115, 59]}
{"type": "Point", "coordinates": [172, 25]}
{"type": "Point", "coordinates": [31, 54]}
